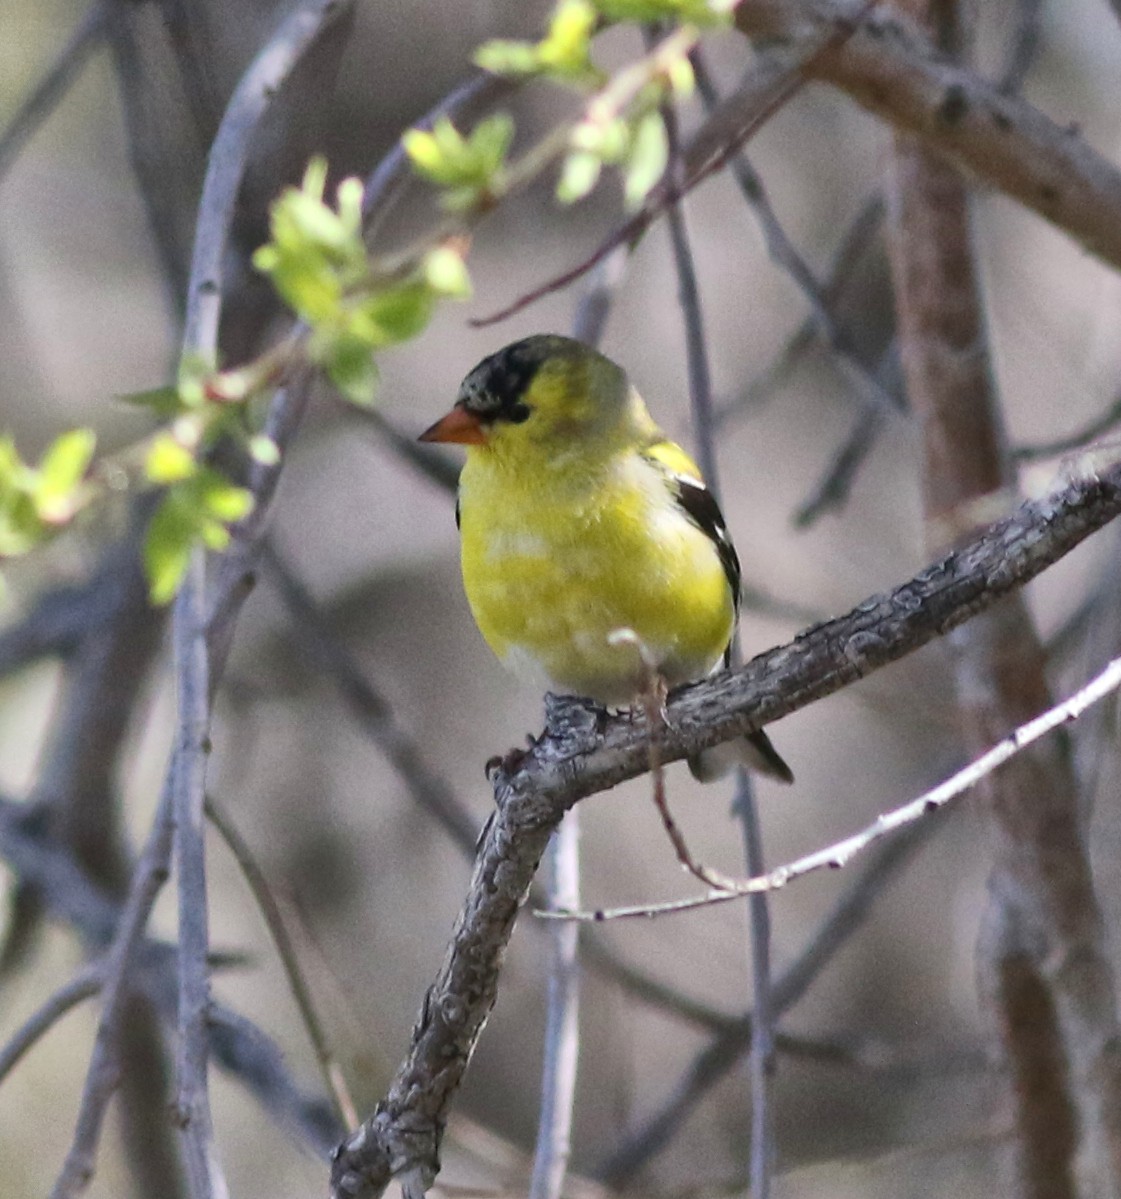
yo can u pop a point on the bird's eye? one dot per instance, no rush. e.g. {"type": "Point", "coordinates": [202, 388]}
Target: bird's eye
{"type": "Point", "coordinates": [517, 413]}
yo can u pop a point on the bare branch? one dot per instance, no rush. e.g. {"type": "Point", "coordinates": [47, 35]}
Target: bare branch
{"type": "Point", "coordinates": [840, 853]}
{"type": "Point", "coordinates": [372, 711]}
{"type": "Point", "coordinates": [102, 1076]}
{"type": "Point", "coordinates": [724, 1050]}
{"type": "Point", "coordinates": [885, 65]}
{"type": "Point", "coordinates": [574, 759]}
{"type": "Point", "coordinates": [238, 1046]}
{"type": "Point", "coordinates": [854, 246]}
{"type": "Point", "coordinates": [274, 920]}
{"type": "Point", "coordinates": [229, 156]}
{"type": "Point", "coordinates": [188, 783]}
{"type": "Point", "coordinates": [1096, 427]}
{"type": "Point", "coordinates": [83, 985]}
{"type": "Point", "coordinates": [562, 1029]}
{"type": "Point", "coordinates": [836, 483]}
{"type": "Point", "coordinates": [1023, 45]}
{"type": "Point", "coordinates": [55, 83]}
{"type": "Point", "coordinates": [864, 384]}
{"type": "Point", "coordinates": [1056, 1025]}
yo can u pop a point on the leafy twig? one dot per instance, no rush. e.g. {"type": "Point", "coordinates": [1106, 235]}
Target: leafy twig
{"type": "Point", "coordinates": [776, 79]}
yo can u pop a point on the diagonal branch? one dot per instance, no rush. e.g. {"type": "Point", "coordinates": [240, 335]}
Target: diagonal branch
{"type": "Point", "coordinates": [53, 86]}
{"type": "Point", "coordinates": [889, 68]}
{"type": "Point", "coordinates": [573, 760]}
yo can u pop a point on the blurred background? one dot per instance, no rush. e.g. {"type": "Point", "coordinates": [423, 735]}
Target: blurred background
{"type": "Point", "coordinates": [882, 1083]}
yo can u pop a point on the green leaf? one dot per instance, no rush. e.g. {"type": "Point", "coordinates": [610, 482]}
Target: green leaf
{"type": "Point", "coordinates": [21, 530]}
{"type": "Point", "coordinates": [61, 470]}
{"type": "Point", "coordinates": [167, 548]}
{"type": "Point", "coordinates": [351, 368]}
{"type": "Point", "coordinates": [316, 253]}
{"type": "Point", "coordinates": [466, 167]}
{"type": "Point", "coordinates": [446, 273]}
{"type": "Point", "coordinates": [566, 49]}
{"type": "Point", "coordinates": [220, 498]}
{"type": "Point", "coordinates": [214, 536]}
{"type": "Point", "coordinates": [502, 57]}
{"type": "Point", "coordinates": [194, 374]}
{"type": "Point", "coordinates": [394, 315]}
{"type": "Point", "coordinates": [423, 150]}
{"type": "Point", "coordinates": [647, 160]}
{"type": "Point", "coordinates": [315, 177]}
{"type": "Point", "coordinates": [579, 175]}
{"type": "Point", "coordinates": [705, 13]}
{"type": "Point", "coordinates": [168, 461]}
{"type": "Point", "coordinates": [264, 450]}
{"type": "Point", "coordinates": [164, 402]}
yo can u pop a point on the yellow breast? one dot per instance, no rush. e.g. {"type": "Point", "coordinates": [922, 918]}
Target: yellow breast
{"type": "Point", "coordinates": [555, 565]}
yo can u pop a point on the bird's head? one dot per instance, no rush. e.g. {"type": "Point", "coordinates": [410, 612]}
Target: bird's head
{"type": "Point", "coordinates": [543, 397]}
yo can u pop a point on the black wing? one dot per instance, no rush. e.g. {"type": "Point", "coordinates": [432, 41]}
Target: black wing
{"type": "Point", "coordinates": [702, 509]}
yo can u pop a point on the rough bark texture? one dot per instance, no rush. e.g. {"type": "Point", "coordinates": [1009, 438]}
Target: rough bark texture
{"type": "Point", "coordinates": [582, 752]}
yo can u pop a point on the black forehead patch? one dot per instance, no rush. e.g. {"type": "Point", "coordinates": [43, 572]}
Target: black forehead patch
{"type": "Point", "coordinates": [494, 390]}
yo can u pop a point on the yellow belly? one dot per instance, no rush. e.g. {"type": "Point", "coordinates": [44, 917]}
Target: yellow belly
{"type": "Point", "coordinates": [553, 580]}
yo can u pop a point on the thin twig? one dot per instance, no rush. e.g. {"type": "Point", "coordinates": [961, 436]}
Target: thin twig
{"type": "Point", "coordinates": [562, 1029]}
{"type": "Point", "coordinates": [721, 1054]}
{"type": "Point", "coordinates": [274, 920]}
{"type": "Point", "coordinates": [595, 304]}
{"type": "Point", "coordinates": [229, 156]}
{"type": "Point", "coordinates": [1080, 439]}
{"type": "Point", "coordinates": [854, 246]}
{"type": "Point", "coordinates": [835, 485]}
{"type": "Point", "coordinates": [188, 781]}
{"type": "Point", "coordinates": [314, 638]}
{"type": "Point", "coordinates": [55, 83]}
{"type": "Point", "coordinates": [103, 1072]}
{"type": "Point", "coordinates": [438, 468]}
{"type": "Point", "coordinates": [86, 983]}
{"type": "Point", "coordinates": [839, 854]}
{"type": "Point", "coordinates": [785, 255]}
{"type": "Point", "coordinates": [596, 953]}
{"type": "Point", "coordinates": [743, 806]}
{"type": "Point", "coordinates": [1023, 45]}
{"type": "Point", "coordinates": [238, 1046]}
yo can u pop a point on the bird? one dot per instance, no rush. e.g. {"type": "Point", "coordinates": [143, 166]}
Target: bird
{"type": "Point", "coordinates": [591, 549]}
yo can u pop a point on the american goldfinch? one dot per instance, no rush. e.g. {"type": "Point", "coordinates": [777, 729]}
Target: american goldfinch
{"type": "Point", "coordinates": [591, 548]}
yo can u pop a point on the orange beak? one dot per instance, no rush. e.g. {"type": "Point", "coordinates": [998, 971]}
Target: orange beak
{"type": "Point", "coordinates": [460, 427]}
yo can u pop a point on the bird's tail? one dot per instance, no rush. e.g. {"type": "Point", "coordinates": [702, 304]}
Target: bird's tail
{"type": "Point", "coordinates": [754, 751]}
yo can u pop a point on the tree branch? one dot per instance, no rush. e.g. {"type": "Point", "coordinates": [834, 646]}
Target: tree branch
{"type": "Point", "coordinates": [55, 83]}
{"type": "Point", "coordinates": [574, 759]}
{"type": "Point", "coordinates": [887, 67]}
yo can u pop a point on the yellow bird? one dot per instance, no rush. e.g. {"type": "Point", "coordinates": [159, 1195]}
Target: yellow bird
{"type": "Point", "coordinates": [589, 540]}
